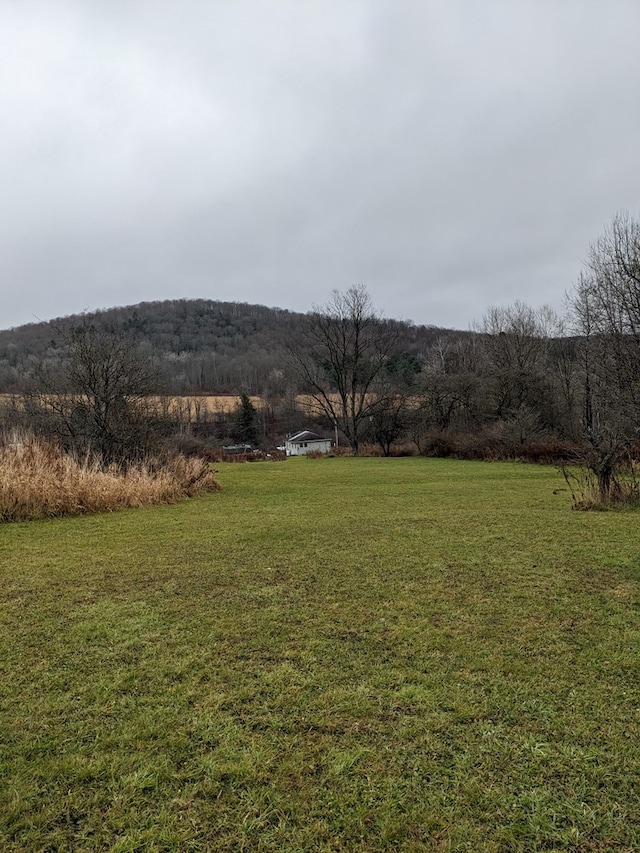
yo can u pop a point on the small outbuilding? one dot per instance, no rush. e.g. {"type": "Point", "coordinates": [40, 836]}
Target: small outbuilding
{"type": "Point", "coordinates": [306, 442]}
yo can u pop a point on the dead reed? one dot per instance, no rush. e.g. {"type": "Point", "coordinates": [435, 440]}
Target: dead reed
{"type": "Point", "coordinates": [39, 480]}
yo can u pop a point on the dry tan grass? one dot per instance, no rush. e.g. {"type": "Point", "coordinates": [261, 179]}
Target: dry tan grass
{"type": "Point", "coordinates": [37, 480]}
{"type": "Point", "coordinates": [195, 406]}
{"type": "Point", "coordinates": [191, 405]}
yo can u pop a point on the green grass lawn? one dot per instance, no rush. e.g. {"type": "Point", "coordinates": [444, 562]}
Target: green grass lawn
{"type": "Point", "coordinates": [327, 655]}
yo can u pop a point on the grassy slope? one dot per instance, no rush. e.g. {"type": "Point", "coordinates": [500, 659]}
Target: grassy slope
{"type": "Point", "coordinates": [344, 654]}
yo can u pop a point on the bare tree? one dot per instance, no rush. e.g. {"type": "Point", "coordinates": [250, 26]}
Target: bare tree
{"type": "Point", "coordinates": [605, 307]}
{"type": "Point", "coordinates": [390, 421]}
{"type": "Point", "coordinates": [98, 401]}
{"type": "Point", "coordinates": [516, 340]}
{"type": "Point", "coordinates": [347, 345]}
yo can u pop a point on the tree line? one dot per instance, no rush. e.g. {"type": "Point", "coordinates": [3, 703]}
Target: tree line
{"type": "Point", "coordinates": [527, 382]}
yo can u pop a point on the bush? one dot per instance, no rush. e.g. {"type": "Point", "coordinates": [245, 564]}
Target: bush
{"type": "Point", "coordinates": [552, 452]}
{"type": "Point", "coordinates": [39, 480]}
{"type": "Point", "coordinates": [492, 442]}
{"type": "Point", "coordinates": [586, 489]}
{"type": "Point", "coordinates": [486, 444]}
{"type": "Point", "coordinates": [217, 454]}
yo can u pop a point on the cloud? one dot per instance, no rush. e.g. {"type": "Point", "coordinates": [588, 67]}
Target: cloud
{"type": "Point", "coordinates": [447, 155]}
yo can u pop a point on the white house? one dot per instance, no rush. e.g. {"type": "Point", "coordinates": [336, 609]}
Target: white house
{"type": "Point", "coordinates": [305, 442]}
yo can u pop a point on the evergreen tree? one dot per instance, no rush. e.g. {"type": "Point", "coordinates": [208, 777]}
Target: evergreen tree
{"type": "Point", "coordinates": [245, 431]}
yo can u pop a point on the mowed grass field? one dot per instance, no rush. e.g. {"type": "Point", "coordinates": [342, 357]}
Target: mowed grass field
{"type": "Point", "coordinates": [327, 655]}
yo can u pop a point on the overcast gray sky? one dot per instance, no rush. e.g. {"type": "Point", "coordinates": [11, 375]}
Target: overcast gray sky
{"type": "Point", "coordinates": [447, 154]}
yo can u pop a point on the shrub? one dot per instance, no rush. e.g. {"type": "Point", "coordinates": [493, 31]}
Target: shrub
{"type": "Point", "coordinates": [485, 444]}
{"type": "Point", "coordinates": [551, 452]}
{"type": "Point", "coordinates": [217, 454]}
{"type": "Point", "coordinates": [586, 492]}
{"type": "Point", "coordinates": [345, 450]}
{"type": "Point", "coordinates": [492, 442]}
{"type": "Point", "coordinates": [39, 480]}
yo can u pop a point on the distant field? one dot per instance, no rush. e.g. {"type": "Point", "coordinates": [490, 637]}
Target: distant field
{"type": "Point", "coordinates": [328, 655]}
{"type": "Point", "coordinates": [199, 405]}
{"type": "Point", "coordinates": [193, 403]}
{"type": "Point", "coordinates": [228, 403]}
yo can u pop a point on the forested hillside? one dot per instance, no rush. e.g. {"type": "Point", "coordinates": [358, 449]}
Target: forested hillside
{"type": "Point", "coordinates": [200, 346]}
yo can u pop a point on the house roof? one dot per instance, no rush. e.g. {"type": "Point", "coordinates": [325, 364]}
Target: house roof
{"type": "Point", "coordinates": [306, 435]}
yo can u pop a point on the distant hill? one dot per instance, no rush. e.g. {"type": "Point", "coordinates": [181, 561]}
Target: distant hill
{"type": "Point", "coordinates": [202, 346]}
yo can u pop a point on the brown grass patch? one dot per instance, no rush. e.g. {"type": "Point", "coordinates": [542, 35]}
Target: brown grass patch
{"type": "Point", "coordinates": [38, 480]}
